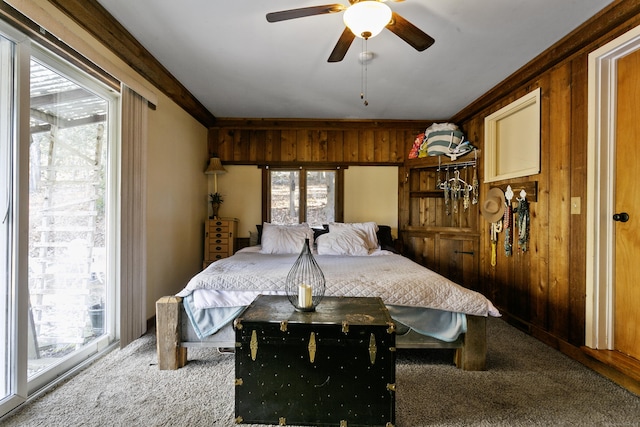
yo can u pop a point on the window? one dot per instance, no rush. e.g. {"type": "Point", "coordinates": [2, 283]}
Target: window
{"type": "Point", "coordinates": [311, 195]}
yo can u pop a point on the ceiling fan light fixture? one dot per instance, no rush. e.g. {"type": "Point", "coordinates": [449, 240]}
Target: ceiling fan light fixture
{"type": "Point", "coordinates": [367, 19]}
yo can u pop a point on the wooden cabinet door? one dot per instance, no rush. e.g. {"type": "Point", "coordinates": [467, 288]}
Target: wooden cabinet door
{"type": "Point", "coordinates": [458, 259]}
{"type": "Point", "coordinates": [455, 256]}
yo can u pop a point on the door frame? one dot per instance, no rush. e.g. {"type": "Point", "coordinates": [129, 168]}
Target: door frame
{"type": "Point", "coordinates": [17, 323]}
{"type": "Point", "coordinates": [601, 145]}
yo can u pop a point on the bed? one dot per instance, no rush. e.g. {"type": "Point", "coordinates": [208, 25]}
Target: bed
{"type": "Point", "coordinates": [357, 259]}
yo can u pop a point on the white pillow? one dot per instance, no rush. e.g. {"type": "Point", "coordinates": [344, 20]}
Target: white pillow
{"type": "Point", "coordinates": [345, 241]}
{"type": "Point", "coordinates": [284, 239]}
{"type": "Point", "coordinates": [369, 228]}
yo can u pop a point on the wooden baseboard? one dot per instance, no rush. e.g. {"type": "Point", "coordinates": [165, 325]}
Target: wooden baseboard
{"type": "Point", "coordinates": [621, 369]}
{"type": "Point", "coordinates": [611, 369]}
{"type": "Point", "coordinates": [626, 365]}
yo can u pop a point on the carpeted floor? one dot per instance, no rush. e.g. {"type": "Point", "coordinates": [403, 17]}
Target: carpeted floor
{"type": "Point", "coordinates": [526, 384]}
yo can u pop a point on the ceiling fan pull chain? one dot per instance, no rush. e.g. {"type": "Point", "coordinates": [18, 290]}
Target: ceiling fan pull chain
{"type": "Point", "coordinates": [363, 74]}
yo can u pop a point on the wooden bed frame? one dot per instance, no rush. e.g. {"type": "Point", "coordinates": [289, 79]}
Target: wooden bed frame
{"type": "Point", "coordinates": [175, 335]}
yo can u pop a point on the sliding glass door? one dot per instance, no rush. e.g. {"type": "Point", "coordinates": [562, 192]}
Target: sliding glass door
{"type": "Point", "coordinates": [68, 222]}
{"type": "Point", "coordinates": [58, 193]}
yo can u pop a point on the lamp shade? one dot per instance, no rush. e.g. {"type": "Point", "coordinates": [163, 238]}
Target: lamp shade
{"type": "Point", "coordinates": [367, 19]}
{"type": "Point", "coordinates": [215, 167]}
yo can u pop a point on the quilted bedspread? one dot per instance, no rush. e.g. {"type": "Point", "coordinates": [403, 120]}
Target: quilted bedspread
{"type": "Point", "coordinates": [394, 278]}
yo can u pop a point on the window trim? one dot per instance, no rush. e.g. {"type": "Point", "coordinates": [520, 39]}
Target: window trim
{"type": "Point", "coordinates": [266, 189]}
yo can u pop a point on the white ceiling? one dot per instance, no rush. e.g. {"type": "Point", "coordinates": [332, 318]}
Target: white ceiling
{"type": "Point", "coordinates": [239, 65]}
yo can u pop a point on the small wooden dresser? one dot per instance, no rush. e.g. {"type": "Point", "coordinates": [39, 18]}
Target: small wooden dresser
{"type": "Point", "coordinates": [219, 239]}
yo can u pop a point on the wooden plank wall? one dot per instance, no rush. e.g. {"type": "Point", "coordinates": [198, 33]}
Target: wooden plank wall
{"type": "Point", "coordinates": [544, 289]}
{"type": "Point", "coordinates": [343, 142]}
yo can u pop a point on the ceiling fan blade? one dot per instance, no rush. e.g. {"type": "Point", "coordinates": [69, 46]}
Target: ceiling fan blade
{"type": "Point", "coordinates": [408, 32]}
{"type": "Point", "coordinates": [341, 48]}
{"type": "Point", "coordinates": [304, 11]}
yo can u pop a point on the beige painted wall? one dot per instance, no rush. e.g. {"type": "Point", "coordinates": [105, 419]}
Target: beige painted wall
{"type": "Point", "coordinates": [177, 155]}
{"type": "Point", "coordinates": [176, 200]}
{"type": "Point", "coordinates": [241, 188]}
{"type": "Point", "coordinates": [371, 194]}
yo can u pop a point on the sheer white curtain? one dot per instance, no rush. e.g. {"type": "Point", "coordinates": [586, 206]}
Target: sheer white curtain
{"type": "Point", "coordinates": [133, 237]}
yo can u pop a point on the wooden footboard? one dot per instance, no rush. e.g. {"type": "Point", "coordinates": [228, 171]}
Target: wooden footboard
{"type": "Point", "coordinates": [171, 355]}
{"type": "Point", "coordinates": [470, 355]}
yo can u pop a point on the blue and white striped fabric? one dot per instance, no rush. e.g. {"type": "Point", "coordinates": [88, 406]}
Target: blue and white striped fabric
{"type": "Point", "coordinates": [441, 142]}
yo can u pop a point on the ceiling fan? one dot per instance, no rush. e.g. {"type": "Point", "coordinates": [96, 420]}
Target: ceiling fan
{"type": "Point", "coordinates": [363, 18]}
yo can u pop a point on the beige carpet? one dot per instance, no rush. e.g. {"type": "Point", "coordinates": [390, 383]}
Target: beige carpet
{"type": "Point", "coordinates": [527, 384]}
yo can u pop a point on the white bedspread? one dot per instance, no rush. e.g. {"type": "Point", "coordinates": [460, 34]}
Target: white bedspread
{"type": "Point", "coordinates": [394, 278]}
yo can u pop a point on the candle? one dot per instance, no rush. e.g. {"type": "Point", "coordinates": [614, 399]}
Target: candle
{"type": "Point", "coordinates": [304, 296]}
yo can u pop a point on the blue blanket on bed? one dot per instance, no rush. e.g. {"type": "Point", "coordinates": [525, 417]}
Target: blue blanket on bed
{"type": "Point", "coordinates": [443, 325]}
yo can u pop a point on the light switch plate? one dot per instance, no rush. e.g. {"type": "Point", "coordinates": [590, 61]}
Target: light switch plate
{"type": "Point", "coordinates": [575, 206]}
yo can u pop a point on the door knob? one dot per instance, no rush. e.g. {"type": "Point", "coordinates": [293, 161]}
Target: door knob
{"type": "Point", "coordinates": [622, 217]}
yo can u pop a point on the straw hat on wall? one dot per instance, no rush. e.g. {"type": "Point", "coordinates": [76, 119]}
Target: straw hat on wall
{"type": "Point", "coordinates": [492, 208]}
